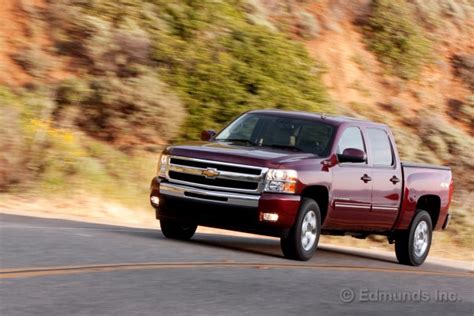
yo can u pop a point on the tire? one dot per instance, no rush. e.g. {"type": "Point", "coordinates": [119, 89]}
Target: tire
{"type": "Point", "coordinates": [177, 230]}
{"type": "Point", "coordinates": [309, 220]}
{"type": "Point", "coordinates": [421, 232]}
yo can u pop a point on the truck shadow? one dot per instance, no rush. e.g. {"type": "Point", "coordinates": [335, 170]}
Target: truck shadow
{"type": "Point", "coordinates": [242, 245]}
{"type": "Point", "coordinates": [270, 247]}
{"type": "Point", "coordinates": [251, 245]}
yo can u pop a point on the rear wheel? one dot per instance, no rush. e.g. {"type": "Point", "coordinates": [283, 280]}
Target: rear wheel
{"type": "Point", "coordinates": [412, 246]}
{"type": "Point", "coordinates": [303, 238]}
{"type": "Point", "coordinates": [173, 229]}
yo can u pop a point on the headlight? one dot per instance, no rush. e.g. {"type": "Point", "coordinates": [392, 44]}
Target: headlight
{"type": "Point", "coordinates": [281, 181]}
{"type": "Point", "coordinates": [162, 166]}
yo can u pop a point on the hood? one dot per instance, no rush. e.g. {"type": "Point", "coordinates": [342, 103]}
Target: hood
{"type": "Point", "coordinates": [239, 154]}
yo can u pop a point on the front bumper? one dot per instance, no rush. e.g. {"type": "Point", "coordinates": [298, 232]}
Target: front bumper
{"type": "Point", "coordinates": [228, 210]}
{"type": "Point", "coordinates": [218, 197]}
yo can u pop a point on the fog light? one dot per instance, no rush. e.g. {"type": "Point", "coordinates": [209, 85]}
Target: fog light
{"type": "Point", "coordinates": [271, 217]}
{"type": "Point", "coordinates": [155, 200]}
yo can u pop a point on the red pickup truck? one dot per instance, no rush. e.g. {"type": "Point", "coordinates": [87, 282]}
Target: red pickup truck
{"type": "Point", "coordinates": [296, 175]}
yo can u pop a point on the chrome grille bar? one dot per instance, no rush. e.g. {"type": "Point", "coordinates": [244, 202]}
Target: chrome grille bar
{"type": "Point", "coordinates": [222, 174]}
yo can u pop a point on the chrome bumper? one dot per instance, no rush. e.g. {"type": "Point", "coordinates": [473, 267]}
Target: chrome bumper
{"type": "Point", "coordinates": [219, 197]}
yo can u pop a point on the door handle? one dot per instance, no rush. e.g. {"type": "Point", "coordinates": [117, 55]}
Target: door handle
{"type": "Point", "coordinates": [394, 180]}
{"type": "Point", "coordinates": [366, 178]}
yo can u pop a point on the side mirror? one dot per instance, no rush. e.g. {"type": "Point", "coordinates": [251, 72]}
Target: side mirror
{"type": "Point", "coordinates": [352, 155]}
{"type": "Point", "coordinates": [207, 135]}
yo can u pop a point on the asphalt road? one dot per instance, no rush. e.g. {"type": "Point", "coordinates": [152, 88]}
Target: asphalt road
{"type": "Point", "coordinates": [58, 267]}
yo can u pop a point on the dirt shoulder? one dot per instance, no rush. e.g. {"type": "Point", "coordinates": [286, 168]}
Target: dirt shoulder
{"type": "Point", "coordinates": [89, 210]}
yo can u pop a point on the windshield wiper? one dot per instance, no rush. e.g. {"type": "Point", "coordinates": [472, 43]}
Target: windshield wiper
{"type": "Point", "coordinates": [249, 142]}
{"type": "Point", "coordinates": [285, 147]}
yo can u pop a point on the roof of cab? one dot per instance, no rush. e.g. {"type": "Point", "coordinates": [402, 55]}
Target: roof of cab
{"type": "Point", "coordinates": [334, 120]}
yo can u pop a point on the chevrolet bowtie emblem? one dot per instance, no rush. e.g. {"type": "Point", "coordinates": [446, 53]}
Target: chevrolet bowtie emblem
{"type": "Point", "coordinates": [210, 173]}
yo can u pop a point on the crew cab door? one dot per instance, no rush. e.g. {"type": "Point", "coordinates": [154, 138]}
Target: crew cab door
{"type": "Point", "coordinates": [386, 179]}
{"type": "Point", "coordinates": [351, 186]}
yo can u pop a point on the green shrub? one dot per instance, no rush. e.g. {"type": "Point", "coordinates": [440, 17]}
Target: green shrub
{"type": "Point", "coordinates": [245, 67]}
{"type": "Point", "coordinates": [12, 142]}
{"type": "Point", "coordinates": [454, 8]}
{"type": "Point", "coordinates": [72, 91]}
{"type": "Point", "coordinates": [462, 111]}
{"type": "Point", "coordinates": [394, 36]}
{"type": "Point", "coordinates": [253, 69]}
{"type": "Point", "coordinates": [394, 105]}
{"type": "Point", "coordinates": [435, 13]}
{"type": "Point", "coordinates": [437, 143]}
{"type": "Point", "coordinates": [216, 60]}
{"type": "Point", "coordinates": [364, 111]}
{"type": "Point", "coordinates": [432, 129]}
{"type": "Point", "coordinates": [467, 111]}
{"type": "Point", "coordinates": [464, 68]}
{"type": "Point", "coordinates": [37, 156]}
{"type": "Point", "coordinates": [463, 214]}
{"type": "Point", "coordinates": [29, 142]}
{"type": "Point", "coordinates": [408, 144]}
{"type": "Point", "coordinates": [430, 12]}
{"type": "Point", "coordinates": [257, 14]}
{"type": "Point", "coordinates": [126, 110]}
{"type": "Point", "coordinates": [33, 60]}
{"type": "Point", "coordinates": [115, 49]}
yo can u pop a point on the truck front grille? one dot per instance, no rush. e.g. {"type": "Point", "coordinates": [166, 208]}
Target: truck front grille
{"type": "Point", "coordinates": [216, 175]}
{"type": "Point", "coordinates": [214, 182]}
{"type": "Point", "coordinates": [204, 165]}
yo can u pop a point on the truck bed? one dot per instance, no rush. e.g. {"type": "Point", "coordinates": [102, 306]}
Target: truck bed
{"type": "Point", "coordinates": [421, 181]}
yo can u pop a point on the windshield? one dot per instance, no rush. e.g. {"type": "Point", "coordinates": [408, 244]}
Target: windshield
{"type": "Point", "coordinates": [269, 130]}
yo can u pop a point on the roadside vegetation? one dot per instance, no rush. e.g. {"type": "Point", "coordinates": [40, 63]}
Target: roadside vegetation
{"type": "Point", "coordinates": [138, 74]}
{"type": "Point", "coordinates": [395, 37]}
{"type": "Point", "coordinates": [40, 157]}
{"type": "Point", "coordinates": [216, 62]}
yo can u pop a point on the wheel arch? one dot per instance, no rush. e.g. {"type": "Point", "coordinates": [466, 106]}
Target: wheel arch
{"type": "Point", "coordinates": [432, 205]}
{"type": "Point", "coordinates": [320, 194]}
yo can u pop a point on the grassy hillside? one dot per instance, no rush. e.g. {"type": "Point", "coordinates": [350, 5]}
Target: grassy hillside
{"type": "Point", "coordinates": [91, 90]}
{"type": "Point", "coordinates": [205, 54]}
{"type": "Point", "coordinates": [135, 75]}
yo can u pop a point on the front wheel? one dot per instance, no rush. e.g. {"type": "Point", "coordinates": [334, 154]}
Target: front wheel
{"type": "Point", "coordinates": [177, 230]}
{"type": "Point", "coordinates": [303, 238]}
{"type": "Point", "coordinates": [412, 246]}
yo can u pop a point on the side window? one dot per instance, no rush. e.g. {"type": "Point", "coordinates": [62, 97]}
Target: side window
{"type": "Point", "coordinates": [381, 149]}
{"type": "Point", "coordinates": [351, 138]}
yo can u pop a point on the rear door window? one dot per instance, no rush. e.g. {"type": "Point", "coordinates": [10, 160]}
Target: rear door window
{"type": "Point", "coordinates": [380, 147]}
